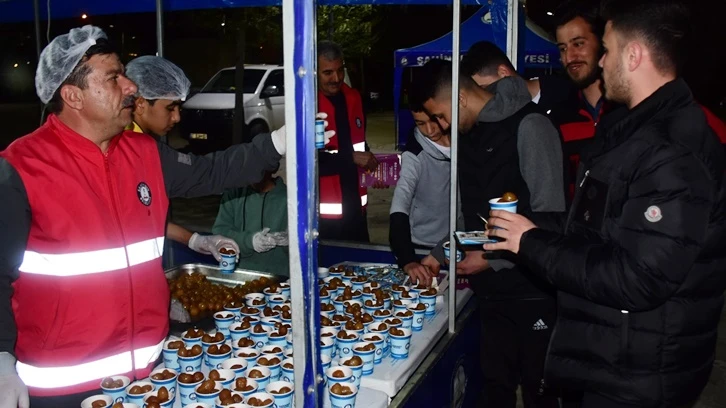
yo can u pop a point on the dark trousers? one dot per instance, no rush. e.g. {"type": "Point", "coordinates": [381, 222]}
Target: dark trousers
{"type": "Point", "coordinates": [591, 400]}
{"type": "Point", "coordinates": [514, 339]}
{"type": "Point", "coordinates": [349, 228]}
{"type": "Point", "coordinates": [70, 401]}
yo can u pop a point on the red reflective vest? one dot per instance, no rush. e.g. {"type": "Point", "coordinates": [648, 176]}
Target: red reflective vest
{"type": "Point", "coordinates": [92, 299]}
{"type": "Point", "coordinates": [331, 197]}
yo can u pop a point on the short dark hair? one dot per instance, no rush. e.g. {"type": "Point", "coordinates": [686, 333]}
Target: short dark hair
{"type": "Point", "coordinates": [484, 58]}
{"type": "Point", "coordinates": [329, 50]}
{"type": "Point", "coordinates": [588, 10]}
{"type": "Point", "coordinates": [415, 98]}
{"type": "Point", "coordinates": [663, 25]}
{"type": "Point", "coordinates": [79, 76]}
{"type": "Point", "coordinates": [435, 78]}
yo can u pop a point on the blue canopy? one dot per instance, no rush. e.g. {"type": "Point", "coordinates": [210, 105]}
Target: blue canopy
{"type": "Point", "coordinates": [486, 24]}
{"type": "Point", "coordinates": [12, 11]}
{"type": "Point", "coordinates": [540, 51]}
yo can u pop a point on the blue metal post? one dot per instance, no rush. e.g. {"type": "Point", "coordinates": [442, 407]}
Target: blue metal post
{"type": "Point", "coordinates": [454, 189]}
{"type": "Point", "coordinates": [508, 27]}
{"type": "Point", "coordinates": [300, 107]}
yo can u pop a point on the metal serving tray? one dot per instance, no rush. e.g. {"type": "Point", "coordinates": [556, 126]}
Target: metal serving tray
{"type": "Point", "coordinates": [214, 275]}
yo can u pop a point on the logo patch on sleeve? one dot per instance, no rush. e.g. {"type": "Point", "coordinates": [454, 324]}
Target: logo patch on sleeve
{"type": "Point", "coordinates": [653, 214]}
{"type": "Point", "coordinates": [184, 158]}
{"type": "Point", "coordinates": [144, 193]}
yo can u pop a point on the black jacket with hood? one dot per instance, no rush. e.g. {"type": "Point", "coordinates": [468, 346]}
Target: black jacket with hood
{"type": "Point", "coordinates": [641, 267]}
{"type": "Point", "coordinates": [513, 147]}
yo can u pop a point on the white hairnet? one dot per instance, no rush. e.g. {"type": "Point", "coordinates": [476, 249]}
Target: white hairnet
{"type": "Point", "coordinates": [61, 56]}
{"type": "Point", "coordinates": [158, 78]}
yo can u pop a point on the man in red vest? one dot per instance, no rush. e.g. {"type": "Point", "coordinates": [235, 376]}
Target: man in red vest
{"type": "Point", "coordinates": [342, 200]}
{"type": "Point", "coordinates": [83, 295]}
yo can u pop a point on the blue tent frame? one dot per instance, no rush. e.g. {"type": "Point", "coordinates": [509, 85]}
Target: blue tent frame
{"type": "Point", "coordinates": [540, 52]}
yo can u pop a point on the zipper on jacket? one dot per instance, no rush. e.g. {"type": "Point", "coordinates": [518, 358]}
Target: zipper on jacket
{"type": "Point", "coordinates": [587, 174]}
{"type": "Point", "coordinates": [128, 267]}
{"type": "Point", "coordinates": [575, 201]}
{"type": "Point", "coordinates": [624, 326]}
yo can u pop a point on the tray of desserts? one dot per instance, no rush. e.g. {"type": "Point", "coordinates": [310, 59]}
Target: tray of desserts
{"type": "Point", "coordinates": [202, 290]}
{"type": "Point", "coordinates": [215, 274]}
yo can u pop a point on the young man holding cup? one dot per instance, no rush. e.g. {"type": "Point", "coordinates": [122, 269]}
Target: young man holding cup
{"type": "Point", "coordinates": [506, 145]}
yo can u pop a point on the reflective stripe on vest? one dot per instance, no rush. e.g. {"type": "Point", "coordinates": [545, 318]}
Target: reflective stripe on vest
{"type": "Point", "coordinates": [331, 208]}
{"type": "Point", "coordinates": [57, 377]}
{"type": "Point", "coordinates": [357, 147]}
{"type": "Point", "coordinates": [337, 209]}
{"type": "Point", "coordinates": [82, 263]}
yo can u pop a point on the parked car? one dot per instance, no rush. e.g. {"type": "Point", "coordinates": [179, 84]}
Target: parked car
{"type": "Point", "coordinates": [208, 115]}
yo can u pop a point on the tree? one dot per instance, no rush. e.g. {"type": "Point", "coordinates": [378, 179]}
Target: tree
{"type": "Point", "coordinates": [352, 27]}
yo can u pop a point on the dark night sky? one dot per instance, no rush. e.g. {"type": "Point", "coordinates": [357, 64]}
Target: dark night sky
{"type": "Point", "coordinates": [197, 50]}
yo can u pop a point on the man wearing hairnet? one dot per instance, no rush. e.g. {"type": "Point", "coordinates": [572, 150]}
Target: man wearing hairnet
{"type": "Point", "coordinates": [162, 87]}
{"type": "Point", "coordinates": [83, 296]}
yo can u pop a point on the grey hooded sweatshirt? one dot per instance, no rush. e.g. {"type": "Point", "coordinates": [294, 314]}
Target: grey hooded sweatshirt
{"type": "Point", "coordinates": [420, 205]}
{"type": "Point", "coordinates": [539, 149]}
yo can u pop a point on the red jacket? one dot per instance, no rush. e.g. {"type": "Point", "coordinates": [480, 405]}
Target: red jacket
{"type": "Point", "coordinates": [577, 127]}
{"type": "Point", "coordinates": [331, 197]}
{"type": "Point", "coordinates": [579, 130]}
{"type": "Point", "coordinates": [91, 300]}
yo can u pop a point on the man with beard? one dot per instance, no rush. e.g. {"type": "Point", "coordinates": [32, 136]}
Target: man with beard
{"type": "Point", "coordinates": [578, 31]}
{"type": "Point", "coordinates": [639, 260]}
{"type": "Point", "coordinates": [343, 201]}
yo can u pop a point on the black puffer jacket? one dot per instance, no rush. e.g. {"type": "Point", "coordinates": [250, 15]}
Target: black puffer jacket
{"type": "Point", "coordinates": [641, 269]}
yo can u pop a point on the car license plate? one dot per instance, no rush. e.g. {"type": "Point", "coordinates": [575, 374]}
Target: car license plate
{"type": "Point", "coordinates": [198, 136]}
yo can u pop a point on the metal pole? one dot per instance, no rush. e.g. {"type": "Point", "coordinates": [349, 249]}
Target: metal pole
{"type": "Point", "coordinates": [36, 13]}
{"type": "Point", "coordinates": [455, 57]}
{"type": "Point", "coordinates": [38, 47]}
{"type": "Point", "coordinates": [159, 28]}
{"type": "Point", "coordinates": [298, 16]}
{"type": "Point", "coordinates": [513, 32]}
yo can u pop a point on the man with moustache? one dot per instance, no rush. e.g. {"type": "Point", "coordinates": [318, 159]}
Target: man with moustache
{"type": "Point", "coordinates": [342, 201]}
{"type": "Point", "coordinates": [83, 295]}
{"type": "Point", "coordinates": [639, 260]}
{"type": "Point", "coordinates": [578, 31]}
